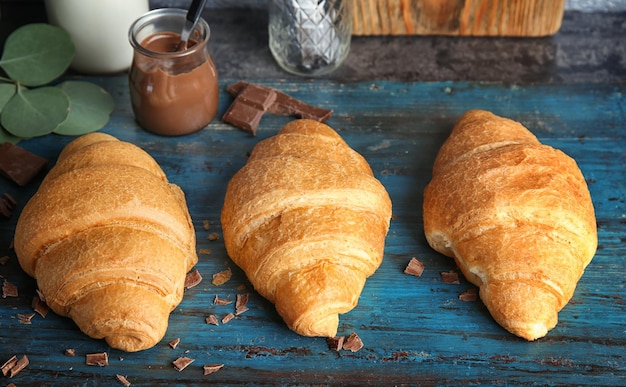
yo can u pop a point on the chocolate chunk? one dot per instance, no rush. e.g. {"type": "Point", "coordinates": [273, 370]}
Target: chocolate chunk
{"type": "Point", "coordinates": [241, 303]}
{"type": "Point", "coordinates": [18, 164]}
{"type": "Point", "coordinates": [9, 289]}
{"type": "Point", "coordinates": [227, 317]}
{"type": "Point", "coordinates": [450, 277]}
{"type": "Point", "coordinates": [98, 359]}
{"type": "Point", "coordinates": [182, 362]}
{"type": "Point", "coordinates": [284, 104]}
{"type": "Point", "coordinates": [174, 343]}
{"type": "Point", "coordinates": [6, 367]}
{"type": "Point", "coordinates": [335, 343]}
{"type": "Point", "coordinates": [353, 342]}
{"type": "Point", "coordinates": [243, 116]}
{"type": "Point", "coordinates": [212, 319]}
{"type": "Point", "coordinates": [221, 301]}
{"type": "Point", "coordinates": [222, 277]}
{"type": "Point", "coordinates": [211, 368]}
{"type": "Point", "coordinates": [415, 267]}
{"type": "Point", "coordinates": [257, 96]}
{"type": "Point", "coordinates": [14, 365]}
{"type": "Point", "coordinates": [122, 379]}
{"type": "Point", "coordinates": [469, 295]}
{"type": "Point", "coordinates": [192, 279]}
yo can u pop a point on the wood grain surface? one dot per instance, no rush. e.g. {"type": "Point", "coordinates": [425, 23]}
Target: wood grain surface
{"type": "Point", "coordinates": [416, 330]}
{"type": "Point", "coordinates": [522, 18]}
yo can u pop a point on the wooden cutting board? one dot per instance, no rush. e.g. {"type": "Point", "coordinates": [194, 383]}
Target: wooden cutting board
{"type": "Point", "coordinates": [521, 18]}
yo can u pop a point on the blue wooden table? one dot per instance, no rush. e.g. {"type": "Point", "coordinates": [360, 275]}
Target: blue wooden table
{"type": "Point", "coordinates": [415, 329]}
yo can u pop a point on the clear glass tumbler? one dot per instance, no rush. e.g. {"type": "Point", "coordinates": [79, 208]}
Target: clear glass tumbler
{"type": "Point", "coordinates": [310, 37]}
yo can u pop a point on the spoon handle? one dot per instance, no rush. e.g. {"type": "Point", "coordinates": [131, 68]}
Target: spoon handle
{"type": "Point", "coordinates": [195, 9]}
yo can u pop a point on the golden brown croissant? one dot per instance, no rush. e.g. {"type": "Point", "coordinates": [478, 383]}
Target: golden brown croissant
{"type": "Point", "coordinates": [109, 241]}
{"type": "Point", "coordinates": [306, 220]}
{"type": "Point", "coordinates": [517, 217]}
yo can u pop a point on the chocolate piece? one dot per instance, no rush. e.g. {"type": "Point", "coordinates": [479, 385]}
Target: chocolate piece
{"type": "Point", "coordinates": [25, 318]}
{"type": "Point", "coordinates": [40, 306]}
{"type": "Point", "coordinates": [243, 116]}
{"type": "Point", "coordinates": [99, 359]}
{"type": "Point", "coordinates": [221, 301]}
{"type": "Point", "coordinates": [353, 342]}
{"type": "Point", "coordinates": [257, 96]}
{"type": "Point", "coordinates": [227, 317]}
{"type": "Point", "coordinates": [211, 368]}
{"type": "Point", "coordinates": [71, 352]}
{"type": "Point", "coordinates": [7, 204]}
{"type": "Point", "coordinates": [222, 277]}
{"type": "Point", "coordinates": [8, 289]}
{"type": "Point", "coordinates": [450, 277]}
{"type": "Point", "coordinates": [123, 380]}
{"type": "Point", "coordinates": [174, 343]}
{"type": "Point", "coordinates": [14, 365]}
{"type": "Point", "coordinates": [469, 295]}
{"type": "Point", "coordinates": [240, 304]}
{"type": "Point", "coordinates": [192, 279]}
{"type": "Point", "coordinates": [182, 362]}
{"type": "Point", "coordinates": [285, 105]}
{"type": "Point", "coordinates": [206, 225]}
{"type": "Point", "coordinates": [415, 267]}
{"type": "Point", "coordinates": [212, 319]}
{"type": "Point", "coordinates": [335, 343]}
{"type": "Point", "coordinates": [6, 367]}
{"type": "Point", "coordinates": [213, 236]}
{"type": "Point", "coordinates": [18, 164]}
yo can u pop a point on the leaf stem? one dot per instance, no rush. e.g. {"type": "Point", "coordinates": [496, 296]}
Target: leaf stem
{"type": "Point", "coordinates": [7, 80]}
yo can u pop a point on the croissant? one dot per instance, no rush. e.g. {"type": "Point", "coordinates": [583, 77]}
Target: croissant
{"type": "Point", "coordinates": [517, 217]}
{"type": "Point", "coordinates": [109, 241]}
{"type": "Point", "coordinates": [306, 220]}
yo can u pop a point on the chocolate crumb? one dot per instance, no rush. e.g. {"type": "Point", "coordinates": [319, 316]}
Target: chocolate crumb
{"type": "Point", "coordinates": [450, 277]}
{"type": "Point", "coordinates": [415, 267]}
{"type": "Point", "coordinates": [40, 306]}
{"type": "Point", "coordinates": [212, 319]}
{"type": "Point", "coordinates": [192, 279]}
{"type": "Point", "coordinates": [222, 277]}
{"type": "Point", "coordinates": [123, 380]}
{"type": "Point", "coordinates": [211, 368]}
{"type": "Point", "coordinates": [174, 343]}
{"type": "Point", "coordinates": [221, 301]}
{"type": "Point", "coordinates": [240, 304]}
{"type": "Point", "coordinates": [213, 236]}
{"type": "Point", "coordinates": [182, 362]}
{"type": "Point", "coordinates": [227, 317]}
{"type": "Point", "coordinates": [9, 290]}
{"type": "Point", "coordinates": [18, 164]}
{"type": "Point", "coordinates": [469, 295]}
{"type": "Point", "coordinates": [353, 342]}
{"type": "Point", "coordinates": [206, 225]}
{"type": "Point", "coordinates": [335, 343]}
{"type": "Point", "coordinates": [204, 251]}
{"type": "Point", "coordinates": [97, 359]}
{"type": "Point", "coordinates": [70, 352]}
{"type": "Point", "coordinates": [25, 318]}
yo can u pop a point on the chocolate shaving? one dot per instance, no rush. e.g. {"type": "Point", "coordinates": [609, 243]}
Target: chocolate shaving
{"type": "Point", "coordinates": [204, 251]}
{"type": "Point", "coordinates": [335, 343]}
{"type": "Point", "coordinates": [13, 366]}
{"type": "Point", "coordinates": [415, 267]}
{"type": "Point", "coordinates": [9, 290]}
{"type": "Point", "coordinates": [97, 359]}
{"type": "Point", "coordinates": [212, 319]}
{"type": "Point", "coordinates": [174, 343]}
{"type": "Point", "coordinates": [240, 304]}
{"type": "Point", "coordinates": [353, 342]}
{"type": "Point", "coordinates": [25, 318]}
{"type": "Point", "coordinates": [450, 277]}
{"type": "Point", "coordinates": [40, 306]}
{"type": "Point", "coordinates": [18, 164]}
{"type": "Point", "coordinates": [221, 301]}
{"type": "Point", "coordinates": [206, 225]}
{"type": "Point", "coordinates": [212, 368]}
{"type": "Point", "coordinates": [182, 362]}
{"type": "Point", "coordinates": [222, 277]}
{"type": "Point", "coordinates": [70, 352]}
{"type": "Point", "coordinates": [213, 236]}
{"type": "Point", "coordinates": [192, 279]}
{"type": "Point", "coordinates": [123, 380]}
{"type": "Point", "coordinates": [469, 295]}
{"type": "Point", "coordinates": [227, 317]}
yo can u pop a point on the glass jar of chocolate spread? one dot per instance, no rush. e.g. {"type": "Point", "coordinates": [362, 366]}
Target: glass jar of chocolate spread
{"type": "Point", "coordinates": [173, 90]}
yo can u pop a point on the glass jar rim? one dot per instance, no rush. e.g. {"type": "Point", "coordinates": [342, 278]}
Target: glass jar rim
{"type": "Point", "coordinates": [148, 18]}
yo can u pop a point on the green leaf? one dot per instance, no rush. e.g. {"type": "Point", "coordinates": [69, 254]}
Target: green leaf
{"type": "Point", "coordinates": [8, 137]}
{"type": "Point", "coordinates": [35, 112]}
{"type": "Point", "coordinates": [90, 107]}
{"type": "Point", "coordinates": [7, 91]}
{"type": "Point", "coordinates": [37, 53]}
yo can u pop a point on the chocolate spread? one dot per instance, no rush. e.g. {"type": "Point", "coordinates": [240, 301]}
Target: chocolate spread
{"type": "Point", "coordinates": [173, 93]}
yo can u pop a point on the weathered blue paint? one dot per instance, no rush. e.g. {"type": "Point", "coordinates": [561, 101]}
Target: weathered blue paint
{"type": "Point", "coordinates": [415, 330]}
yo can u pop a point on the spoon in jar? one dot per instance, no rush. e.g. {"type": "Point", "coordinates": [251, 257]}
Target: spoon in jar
{"type": "Point", "coordinates": [193, 14]}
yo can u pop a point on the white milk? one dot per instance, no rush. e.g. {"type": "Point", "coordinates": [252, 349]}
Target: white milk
{"type": "Point", "coordinates": [99, 30]}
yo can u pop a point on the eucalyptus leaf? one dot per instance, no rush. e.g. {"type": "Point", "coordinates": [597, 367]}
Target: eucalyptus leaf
{"type": "Point", "coordinates": [35, 112]}
{"type": "Point", "coordinates": [90, 108]}
{"type": "Point", "coordinates": [8, 137]}
{"type": "Point", "coordinates": [7, 91]}
{"type": "Point", "coordinates": [37, 54]}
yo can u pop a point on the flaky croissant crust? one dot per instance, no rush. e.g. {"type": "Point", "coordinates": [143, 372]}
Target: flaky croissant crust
{"type": "Point", "coordinates": [517, 217]}
{"type": "Point", "coordinates": [306, 220]}
{"type": "Point", "coordinates": [109, 241]}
